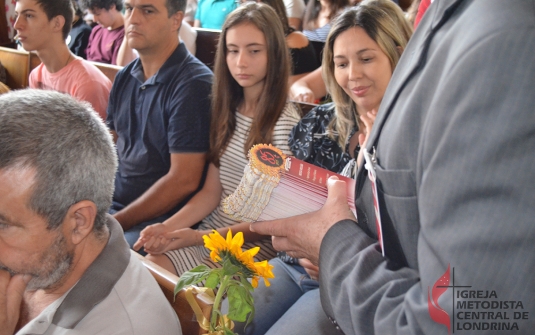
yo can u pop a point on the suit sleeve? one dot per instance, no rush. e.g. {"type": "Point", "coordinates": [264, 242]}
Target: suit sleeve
{"type": "Point", "coordinates": [475, 202]}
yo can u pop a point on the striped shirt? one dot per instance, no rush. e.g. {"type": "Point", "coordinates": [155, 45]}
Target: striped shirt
{"type": "Point", "coordinates": [318, 35]}
{"type": "Point", "coordinates": [232, 164]}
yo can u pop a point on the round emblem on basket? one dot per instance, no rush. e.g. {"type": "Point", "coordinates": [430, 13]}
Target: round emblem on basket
{"type": "Point", "coordinates": [269, 157]}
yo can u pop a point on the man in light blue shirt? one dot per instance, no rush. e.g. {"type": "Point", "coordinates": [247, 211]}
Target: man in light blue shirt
{"type": "Point", "coordinates": [211, 14]}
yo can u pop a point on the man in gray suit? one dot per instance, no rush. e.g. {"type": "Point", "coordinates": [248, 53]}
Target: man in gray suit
{"type": "Point", "coordinates": [452, 150]}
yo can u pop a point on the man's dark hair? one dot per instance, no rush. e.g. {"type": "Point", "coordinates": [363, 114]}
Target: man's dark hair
{"type": "Point", "coordinates": [53, 8]}
{"type": "Point", "coordinates": [102, 4]}
{"type": "Point", "coordinates": [174, 6]}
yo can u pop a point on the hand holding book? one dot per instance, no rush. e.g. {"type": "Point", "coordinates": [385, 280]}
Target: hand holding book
{"type": "Point", "coordinates": [300, 236]}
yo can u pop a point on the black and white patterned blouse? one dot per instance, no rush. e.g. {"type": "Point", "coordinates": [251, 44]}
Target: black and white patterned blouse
{"type": "Point", "coordinates": [309, 141]}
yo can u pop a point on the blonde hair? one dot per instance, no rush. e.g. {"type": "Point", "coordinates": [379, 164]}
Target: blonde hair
{"type": "Point", "coordinates": [385, 23]}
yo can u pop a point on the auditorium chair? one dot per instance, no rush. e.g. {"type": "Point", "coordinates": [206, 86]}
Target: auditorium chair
{"type": "Point", "coordinates": [167, 282]}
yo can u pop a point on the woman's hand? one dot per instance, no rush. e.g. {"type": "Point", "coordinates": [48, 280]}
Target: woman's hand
{"type": "Point", "coordinates": [312, 270]}
{"type": "Point", "coordinates": [186, 237]}
{"type": "Point", "coordinates": [176, 239]}
{"type": "Point", "coordinates": [368, 120]}
{"type": "Point", "coordinates": [150, 236]}
{"type": "Point", "coordinates": [301, 93]}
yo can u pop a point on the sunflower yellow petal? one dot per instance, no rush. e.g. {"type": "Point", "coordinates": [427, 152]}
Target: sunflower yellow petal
{"type": "Point", "coordinates": [238, 240]}
{"type": "Point", "coordinates": [255, 282]}
{"type": "Point", "coordinates": [214, 255]}
{"type": "Point", "coordinates": [263, 269]}
{"type": "Point", "coordinates": [252, 252]}
{"type": "Point", "coordinates": [229, 237]}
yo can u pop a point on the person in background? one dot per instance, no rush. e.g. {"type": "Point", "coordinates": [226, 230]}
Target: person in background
{"type": "Point", "coordinates": [422, 8]}
{"type": "Point", "coordinates": [106, 38]}
{"type": "Point", "coordinates": [43, 27]}
{"type": "Point", "coordinates": [295, 10]}
{"type": "Point", "coordinates": [80, 32]}
{"type": "Point", "coordinates": [186, 35]}
{"type": "Point", "coordinates": [249, 107]}
{"type": "Point", "coordinates": [191, 9]}
{"type": "Point", "coordinates": [211, 14]}
{"type": "Point", "coordinates": [57, 165]}
{"type": "Point", "coordinates": [318, 17]}
{"type": "Point", "coordinates": [412, 11]}
{"type": "Point", "coordinates": [159, 113]}
{"type": "Point", "coordinates": [310, 88]}
{"type": "Point", "coordinates": [88, 18]}
{"type": "Point", "coordinates": [362, 50]}
{"type": "Point", "coordinates": [301, 50]}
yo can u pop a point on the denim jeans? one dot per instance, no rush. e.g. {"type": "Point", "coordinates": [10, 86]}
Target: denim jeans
{"type": "Point", "coordinates": [291, 305]}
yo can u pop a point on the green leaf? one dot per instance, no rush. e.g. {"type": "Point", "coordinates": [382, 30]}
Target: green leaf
{"type": "Point", "coordinates": [229, 332]}
{"type": "Point", "coordinates": [247, 284]}
{"type": "Point", "coordinates": [192, 277]}
{"type": "Point", "coordinates": [212, 280]}
{"type": "Point", "coordinates": [239, 300]}
{"type": "Point", "coordinates": [250, 318]}
{"type": "Point", "coordinates": [230, 269]}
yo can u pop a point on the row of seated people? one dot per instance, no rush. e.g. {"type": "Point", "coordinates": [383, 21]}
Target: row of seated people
{"type": "Point", "coordinates": [211, 14]}
{"type": "Point", "coordinates": [106, 42]}
{"type": "Point", "coordinates": [311, 17]}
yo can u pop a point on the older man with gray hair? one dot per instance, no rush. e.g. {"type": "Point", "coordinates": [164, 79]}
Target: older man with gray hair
{"type": "Point", "coordinates": [57, 167]}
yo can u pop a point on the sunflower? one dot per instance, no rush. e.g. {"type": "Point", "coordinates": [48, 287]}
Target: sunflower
{"type": "Point", "coordinates": [231, 249]}
{"type": "Point", "coordinates": [230, 280]}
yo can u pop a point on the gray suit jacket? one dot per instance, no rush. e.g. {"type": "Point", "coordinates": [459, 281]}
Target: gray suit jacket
{"type": "Point", "coordinates": [455, 141]}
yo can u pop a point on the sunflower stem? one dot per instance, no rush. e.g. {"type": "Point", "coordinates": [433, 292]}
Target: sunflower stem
{"type": "Point", "coordinates": [217, 302]}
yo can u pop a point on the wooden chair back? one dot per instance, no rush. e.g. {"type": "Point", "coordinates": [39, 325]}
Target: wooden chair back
{"type": "Point", "coordinates": [3, 88]}
{"type": "Point", "coordinates": [167, 282]}
{"type": "Point", "coordinates": [109, 70]}
{"type": "Point", "coordinates": [206, 43]}
{"type": "Point", "coordinates": [17, 65]}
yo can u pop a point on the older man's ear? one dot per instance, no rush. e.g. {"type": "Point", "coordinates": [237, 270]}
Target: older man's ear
{"type": "Point", "coordinates": [80, 219]}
